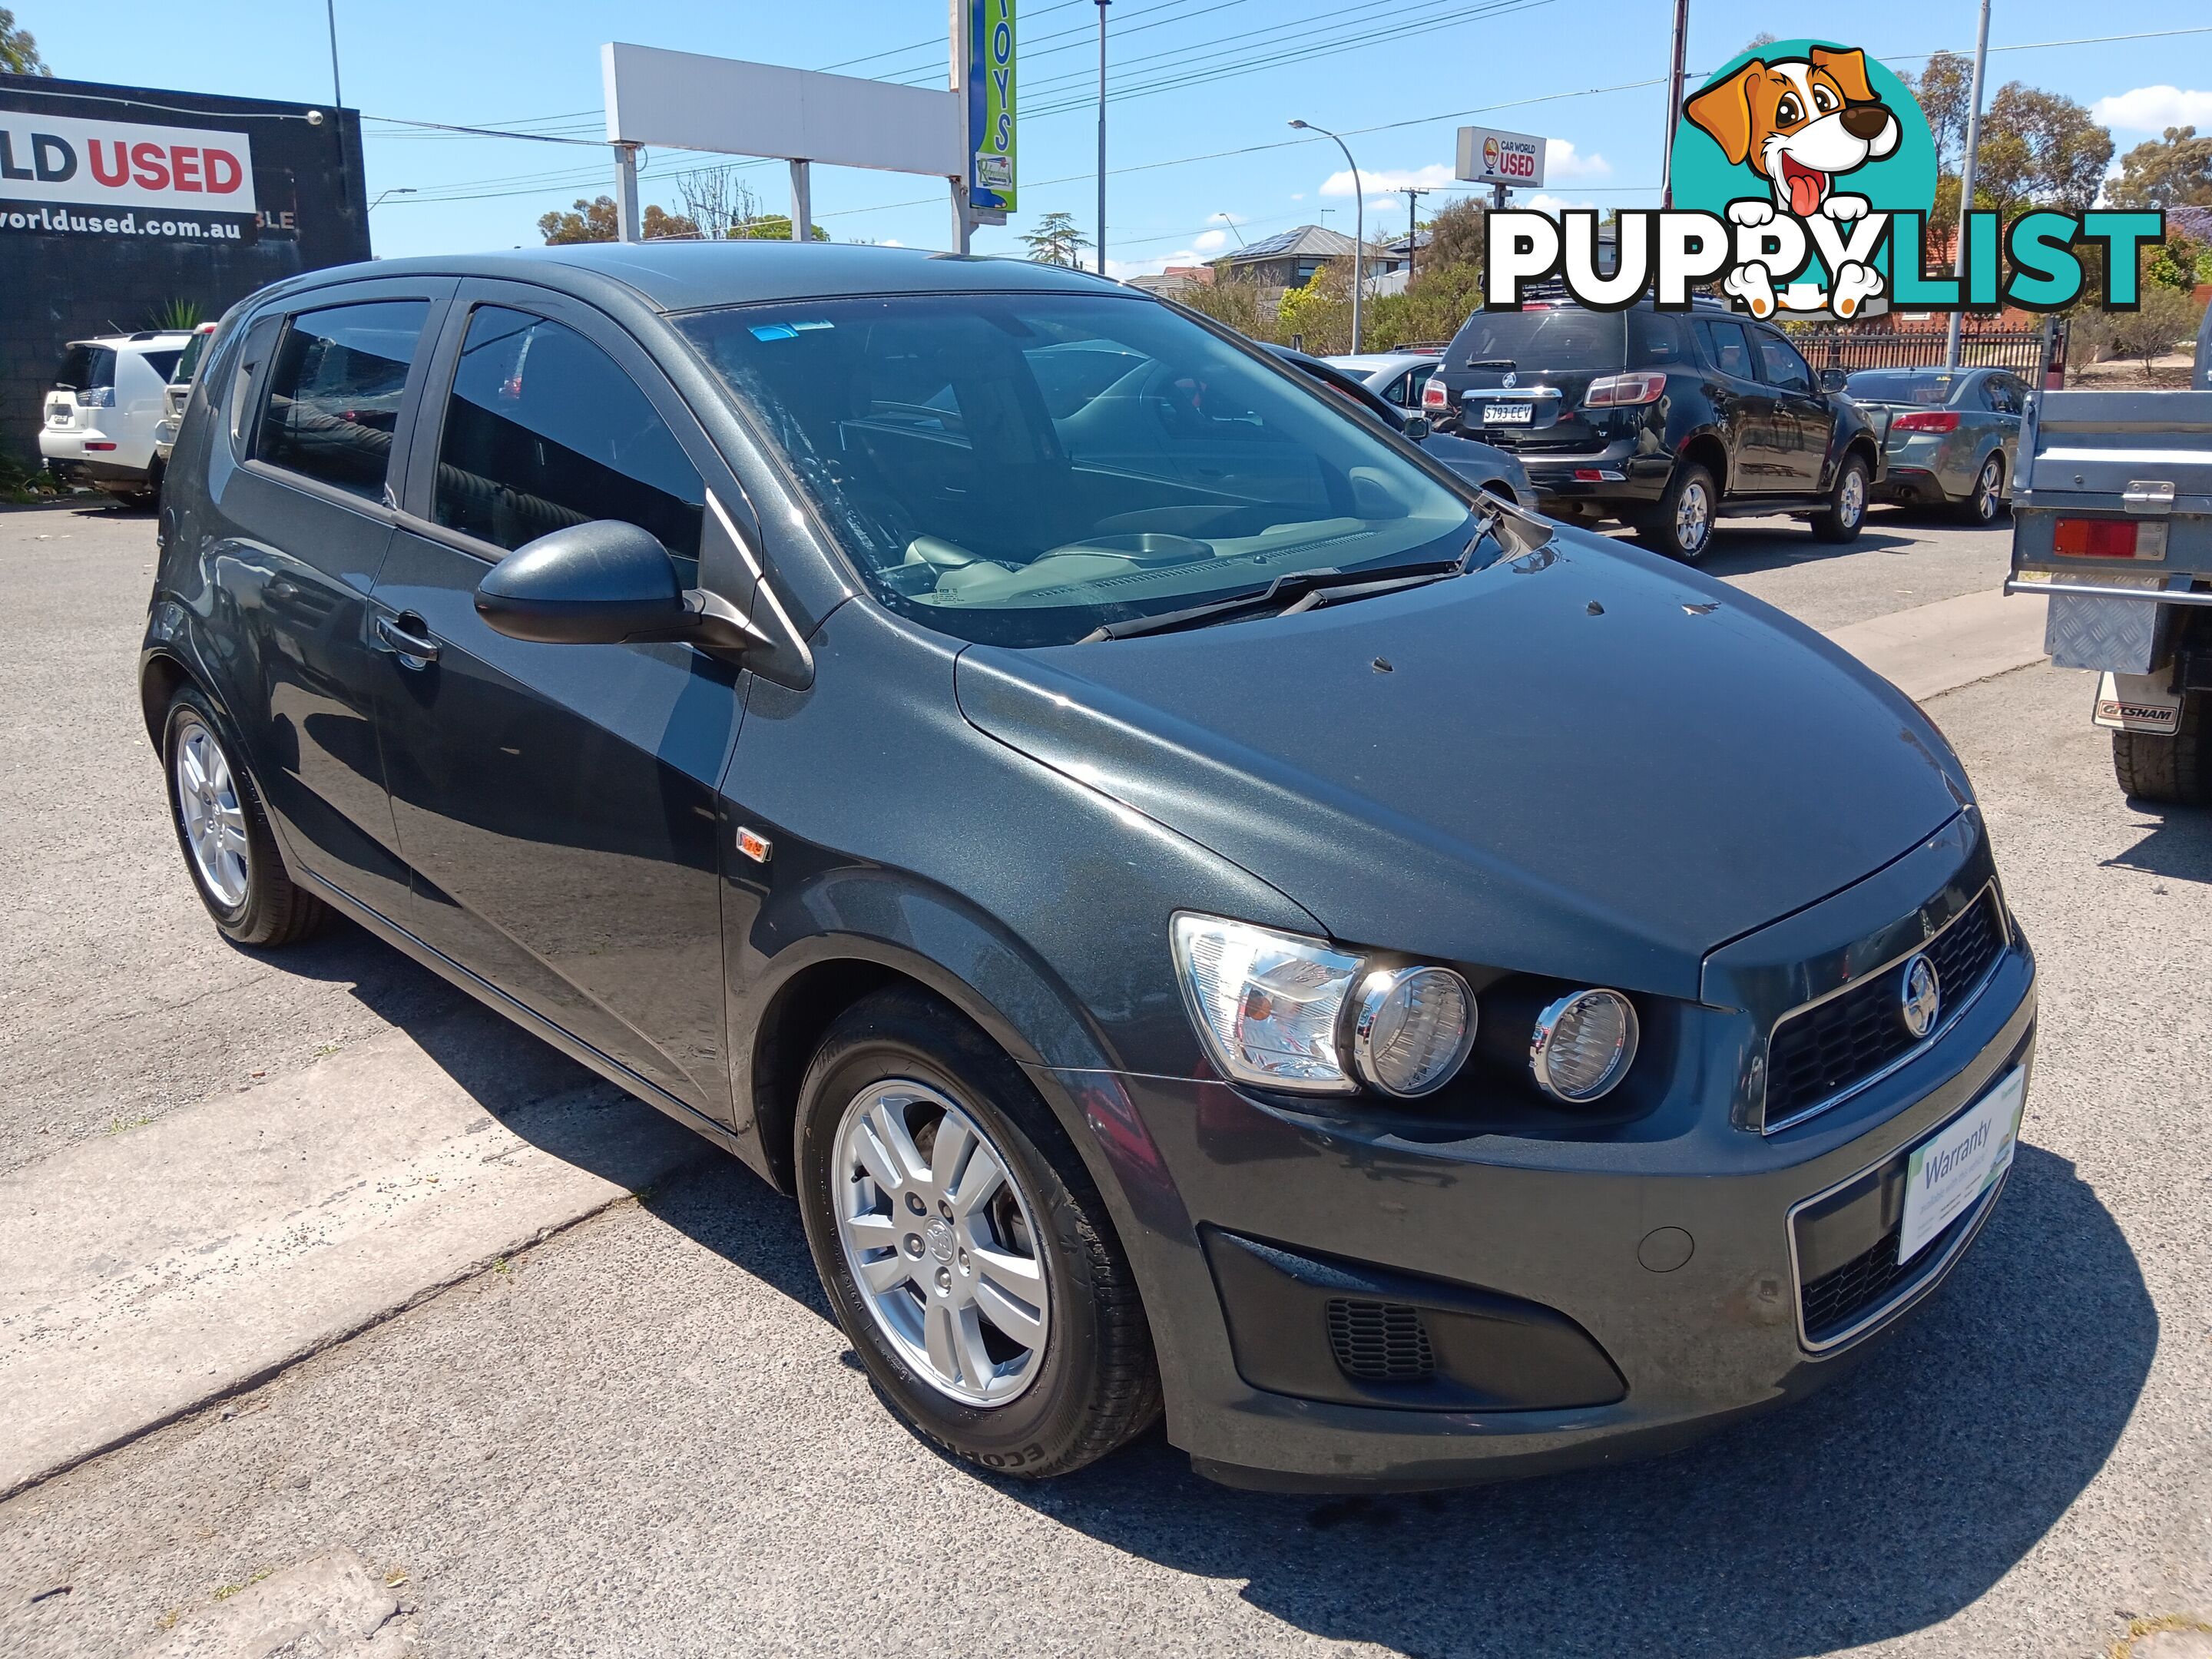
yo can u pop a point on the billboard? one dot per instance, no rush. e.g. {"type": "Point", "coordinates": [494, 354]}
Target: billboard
{"type": "Point", "coordinates": [120, 204]}
{"type": "Point", "coordinates": [1488, 156]}
{"type": "Point", "coordinates": [991, 92]}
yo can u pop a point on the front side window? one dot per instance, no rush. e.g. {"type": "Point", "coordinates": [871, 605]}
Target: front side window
{"type": "Point", "coordinates": [1020, 468]}
{"type": "Point", "coordinates": [542, 430]}
{"type": "Point", "coordinates": [332, 407]}
{"type": "Point", "coordinates": [1782, 366]}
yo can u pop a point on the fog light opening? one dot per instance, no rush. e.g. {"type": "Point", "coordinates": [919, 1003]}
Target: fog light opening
{"type": "Point", "coordinates": [1582, 1045]}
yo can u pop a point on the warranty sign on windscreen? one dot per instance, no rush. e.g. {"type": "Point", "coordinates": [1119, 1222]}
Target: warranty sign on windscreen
{"type": "Point", "coordinates": [991, 103]}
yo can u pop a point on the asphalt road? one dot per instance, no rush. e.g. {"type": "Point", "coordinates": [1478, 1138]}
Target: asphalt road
{"type": "Point", "coordinates": [647, 1438]}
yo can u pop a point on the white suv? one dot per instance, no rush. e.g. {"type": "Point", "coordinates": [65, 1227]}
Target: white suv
{"type": "Point", "coordinates": [102, 409]}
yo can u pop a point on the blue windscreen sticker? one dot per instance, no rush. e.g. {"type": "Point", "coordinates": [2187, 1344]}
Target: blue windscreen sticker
{"type": "Point", "coordinates": [774, 332]}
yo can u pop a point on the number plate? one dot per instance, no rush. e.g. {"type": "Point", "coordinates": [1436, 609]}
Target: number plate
{"type": "Point", "coordinates": [1508, 414]}
{"type": "Point", "coordinates": [1962, 1160]}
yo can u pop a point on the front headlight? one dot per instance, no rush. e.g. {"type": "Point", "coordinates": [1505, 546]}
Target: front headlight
{"type": "Point", "coordinates": [1268, 1004]}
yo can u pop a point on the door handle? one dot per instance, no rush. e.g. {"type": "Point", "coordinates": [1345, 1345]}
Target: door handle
{"type": "Point", "coordinates": [407, 636]}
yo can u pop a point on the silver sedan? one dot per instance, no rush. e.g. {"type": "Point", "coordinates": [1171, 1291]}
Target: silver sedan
{"type": "Point", "coordinates": [1951, 435]}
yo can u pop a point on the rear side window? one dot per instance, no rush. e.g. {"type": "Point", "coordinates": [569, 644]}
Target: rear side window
{"type": "Point", "coordinates": [544, 430]}
{"type": "Point", "coordinates": [1656, 340]}
{"type": "Point", "coordinates": [163, 363]}
{"type": "Point", "coordinates": [1726, 346]}
{"type": "Point", "coordinates": [1997, 393]}
{"type": "Point", "coordinates": [332, 407]}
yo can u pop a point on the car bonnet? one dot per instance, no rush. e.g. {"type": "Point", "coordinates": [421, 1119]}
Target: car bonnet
{"type": "Point", "coordinates": [1584, 762]}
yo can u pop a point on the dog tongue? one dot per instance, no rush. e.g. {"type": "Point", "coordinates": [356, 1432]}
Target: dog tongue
{"type": "Point", "coordinates": [1804, 193]}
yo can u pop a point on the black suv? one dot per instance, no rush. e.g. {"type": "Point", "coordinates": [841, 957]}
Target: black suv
{"type": "Point", "coordinates": [1663, 419]}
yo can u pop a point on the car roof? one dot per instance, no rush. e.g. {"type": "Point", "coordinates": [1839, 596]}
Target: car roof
{"type": "Point", "coordinates": [691, 275]}
{"type": "Point", "coordinates": [1375, 361]}
{"type": "Point", "coordinates": [145, 340]}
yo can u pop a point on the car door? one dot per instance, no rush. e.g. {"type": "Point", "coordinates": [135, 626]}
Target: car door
{"type": "Point", "coordinates": [300, 494]}
{"type": "Point", "coordinates": [1804, 415]}
{"type": "Point", "coordinates": [1742, 405]}
{"type": "Point", "coordinates": [556, 803]}
{"type": "Point", "coordinates": [2006, 400]}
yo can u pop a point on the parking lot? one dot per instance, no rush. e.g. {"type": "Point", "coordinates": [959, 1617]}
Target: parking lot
{"type": "Point", "coordinates": [645, 1436]}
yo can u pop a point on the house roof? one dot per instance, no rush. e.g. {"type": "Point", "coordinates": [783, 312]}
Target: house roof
{"type": "Point", "coordinates": [1305, 242]}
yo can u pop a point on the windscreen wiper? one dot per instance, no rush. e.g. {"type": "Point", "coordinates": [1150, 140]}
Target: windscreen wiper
{"type": "Point", "coordinates": [1295, 592]}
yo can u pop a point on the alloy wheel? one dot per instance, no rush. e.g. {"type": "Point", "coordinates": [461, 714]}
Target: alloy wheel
{"type": "Point", "coordinates": [941, 1241]}
{"type": "Point", "coordinates": [1986, 492]}
{"type": "Point", "coordinates": [1850, 500]}
{"type": "Point", "coordinates": [213, 816]}
{"type": "Point", "coordinates": [1693, 518]}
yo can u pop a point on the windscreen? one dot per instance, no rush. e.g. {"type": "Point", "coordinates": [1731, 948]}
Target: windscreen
{"type": "Point", "coordinates": [1901, 385]}
{"type": "Point", "coordinates": [188, 365]}
{"type": "Point", "coordinates": [1021, 468]}
{"type": "Point", "coordinates": [1563, 339]}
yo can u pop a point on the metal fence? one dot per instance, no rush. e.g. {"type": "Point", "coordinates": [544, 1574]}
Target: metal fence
{"type": "Point", "coordinates": [1834, 346]}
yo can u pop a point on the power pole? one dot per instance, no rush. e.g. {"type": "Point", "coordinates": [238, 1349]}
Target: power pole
{"type": "Point", "coordinates": [331, 11]}
{"type": "Point", "coordinates": [1967, 180]}
{"type": "Point", "coordinates": [1102, 4]}
{"type": "Point", "coordinates": [1673, 103]}
{"type": "Point", "coordinates": [1413, 226]}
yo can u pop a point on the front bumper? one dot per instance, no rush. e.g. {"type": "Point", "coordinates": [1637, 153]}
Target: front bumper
{"type": "Point", "coordinates": [1585, 1232]}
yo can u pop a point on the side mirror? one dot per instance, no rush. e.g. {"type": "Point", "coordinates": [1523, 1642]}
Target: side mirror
{"type": "Point", "coordinates": [1417, 427]}
{"type": "Point", "coordinates": [604, 583]}
{"type": "Point", "coordinates": [1832, 380]}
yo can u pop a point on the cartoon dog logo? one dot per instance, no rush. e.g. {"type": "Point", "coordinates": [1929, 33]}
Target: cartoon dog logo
{"type": "Point", "coordinates": [1799, 123]}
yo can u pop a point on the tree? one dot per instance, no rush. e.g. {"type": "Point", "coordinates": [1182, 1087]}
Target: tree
{"type": "Point", "coordinates": [1942, 88]}
{"type": "Point", "coordinates": [1317, 318]}
{"type": "Point", "coordinates": [595, 221]}
{"type": "Point", "coordinates": [2180, 264]}
{"type": "Point", "coordinates": [2175, 170]}
{"type": "Point", "coordinates": [1455, 235]}
{"type": "Point", "coordinates": [2040, 150]}
{"type": "Point", "coordinates": [18, 53]}
{"type": "Point", "coordinates": [1056, 241]}
{"type": "Point", "coordinates": [2167, 321]}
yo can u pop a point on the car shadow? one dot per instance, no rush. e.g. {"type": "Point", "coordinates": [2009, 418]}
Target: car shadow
{"type": "Point", "coordinates": [1883, 1505]}
{"type": "Point", "coordinates": [1745, 547]}
{"type": "Point", "coordinates": [2179, 845]}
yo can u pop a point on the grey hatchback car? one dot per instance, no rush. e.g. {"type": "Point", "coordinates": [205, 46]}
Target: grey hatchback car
{"type": "Point", "coordinates": [1209, 914]}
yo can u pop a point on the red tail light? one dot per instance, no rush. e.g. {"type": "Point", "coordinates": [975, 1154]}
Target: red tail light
{"type": "Point", "coordinates": [1618, 390]}
{"type": "Point", "coordinates": [102, 446]}
{"type": "Point", "coordinates": [1926, 420]}
{"type": "Point", "coordinates": [1433, 396]}
{"type": "Point", "coordinates": [2094, 539]}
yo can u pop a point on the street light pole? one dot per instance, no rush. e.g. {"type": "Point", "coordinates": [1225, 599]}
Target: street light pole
{"type": "Point", "coordinates": [1359, 226]}
{"type": "Point", "coordinates": [396, 189]}
{"type": "Point", "coordinates": [1102, 4]}
{"type": "Point", "coordinates": [1966, 179]}
{"type": "Point", "coordinates": [331, 11]}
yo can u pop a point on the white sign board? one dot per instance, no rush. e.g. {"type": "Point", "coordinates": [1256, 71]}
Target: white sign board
{"type": "Point", "coordinates": [1487, 156]}
{"type": "Point", "coordinates": [123, 164]}
{"type": "Point", "coordinates": [683, 101]}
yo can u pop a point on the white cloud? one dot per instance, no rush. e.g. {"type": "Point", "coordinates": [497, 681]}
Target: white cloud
{"type": "Point", "coordinates": [2154, 109]}
{"type": "Point", "coordinates": [1436, 175]}
{"type": "Point", "coordinates": [1298, 196]}
{"type": "Point", "coordinates": [1209, 241]}
{"type": "Point", "coordinates": [1562, 161]}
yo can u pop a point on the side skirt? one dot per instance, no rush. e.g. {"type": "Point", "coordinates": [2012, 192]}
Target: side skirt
{"type": "Point", "coordinates": [531, 1021]}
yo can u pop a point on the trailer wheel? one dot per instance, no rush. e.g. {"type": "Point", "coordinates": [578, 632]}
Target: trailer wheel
{"type": "Point", "coordinates": [2175, 770]}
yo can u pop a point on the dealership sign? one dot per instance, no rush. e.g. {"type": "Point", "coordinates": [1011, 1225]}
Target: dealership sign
{"type": "Point", "coordinates": [107, 165]}
{"type": "Point", "coordinates": [1487, 156]}
{"type": "Point", "coordinates": [990, 93]}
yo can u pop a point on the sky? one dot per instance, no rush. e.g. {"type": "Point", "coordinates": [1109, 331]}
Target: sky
{"type": "Point", "coordinates": [1201, 155]}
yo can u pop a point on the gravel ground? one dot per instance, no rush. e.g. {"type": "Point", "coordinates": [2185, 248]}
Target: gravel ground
{"type": "Point", "coordinates": [647, 1438]}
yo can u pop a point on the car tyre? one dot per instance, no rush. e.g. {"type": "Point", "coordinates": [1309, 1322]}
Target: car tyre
{"type": "Point", "coordinates": [903, 1061]}
{"type": "Point", "coordinates": [2173, 769]}
{"type": "Point", "coordinates": [1845, 516]}
{"type": "Point", "coordinates": [1986, 500]}
{"type": "Point", "coordinates": [229, 850]}
{"type": "Point", "coordinates": [1681, 526]}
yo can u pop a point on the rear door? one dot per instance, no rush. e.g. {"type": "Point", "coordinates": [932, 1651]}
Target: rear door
{"type": "Point", "coordinates": [557, 804]}
{"type": "Point", "coordinates": [1804, 415]}
{"type": "Point", "coordinates": [1742, 403]}
{"type": "Point", "coordinates": [300, 495]}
